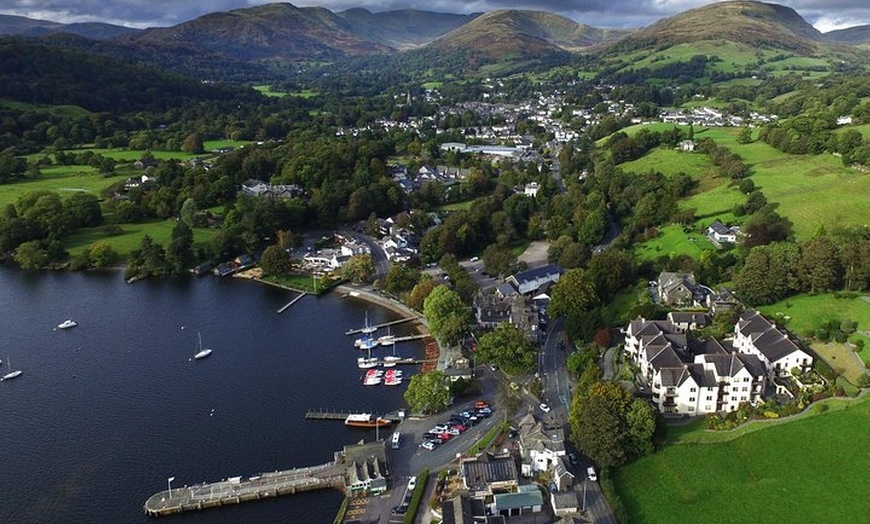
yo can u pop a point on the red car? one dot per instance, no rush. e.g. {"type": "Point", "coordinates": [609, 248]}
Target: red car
{"type": "Point", "coordinates": [481, 404]}
{"type": "Point", "coordinates": [444, 436]}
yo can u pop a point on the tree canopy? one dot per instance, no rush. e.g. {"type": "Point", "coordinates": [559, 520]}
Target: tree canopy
{"type": "Point", "coordinates": [509, 347]}
{"type": "Point", "coordinates": [428, 392]}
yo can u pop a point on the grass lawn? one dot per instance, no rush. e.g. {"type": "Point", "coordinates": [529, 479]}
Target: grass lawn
{"type": "Point", "coordinates": [807, 312]}
{"type": "Point", "coordinates": [673, 241]}
{"type": "Point", "coordinates": [457, 206]}
{"type": "Point", "coordinates": [62, 179]}
{"type": "Point", "coordinates": [616, 311]}
{"type": "Point", "coordinates": [211, 145]}
{"type": "Point", "coordinates": [159, 230]}
{"type": "Point", "coordinates": [809, 469]}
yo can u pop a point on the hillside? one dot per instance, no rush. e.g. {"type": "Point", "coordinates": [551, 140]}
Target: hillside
{"type": "Point", "coordinates": [280, 32]}
{"type": "Point", "coordinates": [404, 28]}
{"type": "Point", "coordinates": [851, 35]}
{"type": "Point", "coordinates": [756, 24]}
{"type": "Point", "coordinates": [23, 26]}
{"type": "Point", "coordinates": [526, 33]}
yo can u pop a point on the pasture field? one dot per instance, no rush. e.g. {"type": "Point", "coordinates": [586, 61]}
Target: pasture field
{"type": "Point", "coordinates": [811, 468]}
{"type": "Point", "coordinates": [131, 236]}
{"type": "Point", "coordinates": [61, 179]}
{"type": "Point", "coordinates": [69, 111]}
{"type": "Point", "coordinates": [669, 162]}
{"type": "Point", "coordinates": [673, 241]}
{"type": "Point", "coordinates": [733, 55]}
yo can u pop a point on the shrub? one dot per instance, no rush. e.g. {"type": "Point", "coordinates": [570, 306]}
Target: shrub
{"type": "Point", "coordinates": [411, 515]}
{"type": "Point", "coordinates": [840, 337]}
{"type": "Point", "coordinates": [823, 335]}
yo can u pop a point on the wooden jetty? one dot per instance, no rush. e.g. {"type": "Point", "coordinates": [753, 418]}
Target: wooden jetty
{"type": "Point", "coordinates": [378, 326]}
{"type": "Point", "coordinates": [234, 490]}
{"type": "Point", "coordinates": [342, 415]}
{"type": "Point", "coordinates": [287, 305]}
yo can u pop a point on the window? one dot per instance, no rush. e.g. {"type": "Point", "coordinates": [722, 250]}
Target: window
{"type": "Point", "coordinates": [709, 397]}
{"type": "Point", "coordinates": [743, 397]}
{"type": "Point", "coordinates": [745, 379]}
{"type": "Point", "coordinates": [707, 407]}
{"type": "Point", "coordinates": [692, 390]}
{"type": "Point", "coordinates": [734, 389]}
{"type": "Point", "coordinates": [691, 399]}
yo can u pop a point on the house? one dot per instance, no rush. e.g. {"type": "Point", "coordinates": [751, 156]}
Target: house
{"type": "Point", "coordinates": [756, 335]}
{"type": "Point", "coordinates": [462, 510]}
{"type": "Point", "coordinates": [721, 300]}
{"type": "Point", "coordinates": [145, 163]}
{"type": "Point", "coordinates": [676, 289]}
{"type": "Point", "coordinates": [562, 478]}
{"type": "Point", "coordinates": [460, 369]}
{"type": "Point", "coordinates": [689, 321]}
{"type": "Point", "coordinates": [366, 468]}
{"type": "Point", "coordinates": [531, 189]}
{"type": "Point", "coordinates": [540, 447]}
{"type": "Point", "coordinates": [719, 233]}
{"type": "Point", "coordinates": [526, 500]}
{"type": "Point", "coordinates": [487, 474]}
{"type": "Point", "coordinates": [686, 145]}
{"type": "Point", "coordinates": [491, 309]}
{"type": "Point", "coordinates": [565, 503]}
{"type": "Point", "coordinates": [258, 188]}
{"type": "Point", "coordinates": [529, 281]}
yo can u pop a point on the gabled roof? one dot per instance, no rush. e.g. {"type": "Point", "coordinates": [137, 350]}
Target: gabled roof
{"type": "Point", "coordinates": [688, 317]}
{"type": "Point", "coordinates": [719, 228]}
{"type": "Point", "coordinates": [770, 341]}
{"type": "Point", "coordinates": [521, 499]}
{"type": "Point", "coordinates": [539, 272]}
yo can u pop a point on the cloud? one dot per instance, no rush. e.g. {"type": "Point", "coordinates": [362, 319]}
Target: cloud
{"type": "Point", "coordinates": [825, 14]}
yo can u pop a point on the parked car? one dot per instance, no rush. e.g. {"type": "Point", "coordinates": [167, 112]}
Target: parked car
{"type": "Point", "coordinates": [412, 483]}
{"type": "Point", "coordinates": [428, 444]}
{"type": "Point", "coordinates": [572, 457]}
{"type": "Point", "coordinates": [590, 474]}
{"type": "Point", "coordinates": [481, 404]}
{"type": "Point", "coordinates": [545, 408]}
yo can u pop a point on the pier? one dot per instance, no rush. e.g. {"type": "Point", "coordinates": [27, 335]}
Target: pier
{"type": "Point", "coordinates": [287, 305]}
{"type": "Point", "coordinates": [378, 326]}
{"type": "Point", "coordinates": [234, 490]}
{"type": "Point", "coordinates": [342, 415]}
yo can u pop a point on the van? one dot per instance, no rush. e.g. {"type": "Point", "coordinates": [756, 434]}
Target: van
{"type": "Point", "coordinates": [590, 474]}
{"type": "Point", "coordinates": [395, 440]}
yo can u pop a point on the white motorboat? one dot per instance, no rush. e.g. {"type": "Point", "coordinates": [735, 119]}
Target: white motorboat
{"type": "Point", "coordinates": [68, 323]}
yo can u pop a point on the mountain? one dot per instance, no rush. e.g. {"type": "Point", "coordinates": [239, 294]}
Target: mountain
{"type": "Point", "coordinates": [281, 32]}
{"type": "Point", "coordinates": [851, 35]}
{"type": "Point", "coordinates": [755, 24]}
{"type": "Point", "coordinates": [403, 28]}
{"type": "Point", "coordinates": [528, 33]}
{"type": "Point", "coordinates": [23, 26]}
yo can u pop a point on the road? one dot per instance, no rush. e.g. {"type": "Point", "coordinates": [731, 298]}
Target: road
{"type": "Point", "coordinates": [382, 265]}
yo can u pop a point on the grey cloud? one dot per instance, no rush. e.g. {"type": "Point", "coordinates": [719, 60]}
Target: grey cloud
{"type": "Point", "coordinates": [601, 13]}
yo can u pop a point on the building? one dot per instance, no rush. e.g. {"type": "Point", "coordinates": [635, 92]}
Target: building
{"type": "Point", "coordinates": [694, 377]}
{"type": "Point", "coordinates": [486, 474]}
{"type": "Point", "coordinates": [756, 335]}
{"type": "Point", "coordinates": [531, 280]}
{"type": "Point", "coordinates": [366, 468]}
{"type": "Point", "coordinates": [531, 189]}
{"type": "Point", "coordinates": [719, 233]}
{"type": "Point", "coordinates": [689, 321]}
{"type": "Point", "coordinates": [676, 289]}
{"type": "Point", "coordinates": [540, 448]}
{"type": "Point", "coordinates": [527, 499]}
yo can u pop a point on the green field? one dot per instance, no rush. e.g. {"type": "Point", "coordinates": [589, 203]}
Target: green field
{"type": "Point", "coordinates": [131, 236]}
{"type": "Point", "coordinates": [810, 469]}
{"type": "Point", "coordinates": [67, 111]}
{"type": "Point", "coordinates": [673, 241]}
{"type": "Point", "coordinates": [669, 162]}
{"type": "Point", "coordinates": [62, 179]}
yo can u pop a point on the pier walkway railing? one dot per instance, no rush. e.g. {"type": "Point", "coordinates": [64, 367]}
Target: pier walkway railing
{"type": "Point", "coordinates": [234, 490]}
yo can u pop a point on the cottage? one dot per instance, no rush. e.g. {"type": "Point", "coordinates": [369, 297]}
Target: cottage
{"type": "Point", "coordinates": [565, 503]}
{"type": "Point", "coordinates": [676, 289]}
{"type": "Point", "coordinates": [487, 474]}
{"type": "Point", "coordinates": [540, 447]}
{"type": "Point", "coordinates": [689, 321]}
{"type": "Point", "coordinates": [531, 280]}
{"type": "Point", "coordinates": [366, 468]}
{"type": "Point", "coordinates": [719, 233]}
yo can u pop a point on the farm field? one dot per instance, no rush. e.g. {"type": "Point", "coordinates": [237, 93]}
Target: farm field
{"type": "Point", "coordinates": [810, 469]}
{"type": "Point", "coordinates": [669, 162]}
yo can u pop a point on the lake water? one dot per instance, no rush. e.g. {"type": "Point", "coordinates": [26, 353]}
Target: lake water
{"type": "Point", "coordinates": [107, 411]}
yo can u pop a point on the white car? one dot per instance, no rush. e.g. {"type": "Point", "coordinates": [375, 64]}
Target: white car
{"type": "Point", "coordinates": [428, 444]}
{"type": "Point", "coordinates": [412, 483]}
{"type": "Point", "coordinates": [545, 408]}
{"type": "Point", "coordinates": [590, 474]}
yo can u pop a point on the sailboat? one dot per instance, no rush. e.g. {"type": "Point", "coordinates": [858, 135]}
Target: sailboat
{"type": "Point", "coordinates": [366, 341]}
{"type": "Point", "coordinates": [203, 352]}
{"type": "Point", "coordinates": [11, 374]}
{"type": "Point", "coordinates": [367, 362]}
{"type": "Point", "coordinates": [390, 360]}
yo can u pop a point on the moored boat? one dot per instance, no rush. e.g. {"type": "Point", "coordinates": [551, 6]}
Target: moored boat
{"type": "Point", "coordinates": [68, 323]}
{"type": "Point", "coordinates": [365, 420]}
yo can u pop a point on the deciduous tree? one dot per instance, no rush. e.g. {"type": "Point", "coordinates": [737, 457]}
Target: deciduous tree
{"type": "Point", "coordinates": [509, 347]}
{"type": "Point", "coordinates": [428, 392]}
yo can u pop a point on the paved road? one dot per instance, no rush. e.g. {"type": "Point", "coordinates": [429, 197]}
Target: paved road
{"type": "Point", "coordinates": [382, 265]}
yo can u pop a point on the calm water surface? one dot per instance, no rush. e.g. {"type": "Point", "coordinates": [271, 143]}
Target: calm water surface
{"type": "Point", "coordinates": [107, 411]}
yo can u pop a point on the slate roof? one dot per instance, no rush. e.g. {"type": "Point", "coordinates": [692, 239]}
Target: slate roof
{"type": "Point", "coordinates": [538, 272]}
{"type": "Point", "coordinates": [487, 469]}
{"type": "Point", "coordinates": [770, 341]}
{"type": "Point", "coordinates": [687, 317]}
{"type": "Point", "coordinates": [720, 229]}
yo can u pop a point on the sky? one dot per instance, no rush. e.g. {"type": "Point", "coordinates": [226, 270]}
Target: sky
{"type": "Point", "coordinates": [825, 15]}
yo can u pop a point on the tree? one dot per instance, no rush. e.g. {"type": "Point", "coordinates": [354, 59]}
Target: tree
{"type": "Point", "coordinates": [400, 279]}
{"type": "Point", "coordinates": [745, 135]}
{"type": "Point", "coordinates": [769, 274]}
{"type": "Point", "coordinates": [601, 426]}
{"type": "Point", "coordinates": [819, 267]}
{"type": "Point", "coordinates": [193, 144]}
{"type": "Point", "coordinates": [574, 297]}
{"type": "Point", "coordinates": [428, 392]}
{"type": "Point", "coordinates": [641, 421]}
{"type": "Point", "coordinates": [421, 290]}
{"type": "Point", "coordinates": [179, 254]}
{"type": "Point", "coordinates": [499, 260]}
{"type": "Point", "coordinates": [358, 268]}
{"type": "Point", "coordinates": [275, 261]}
{"type": "Point", "coordinates": [446, 314]}
{"type": "Point", "coordinates": [509, 347]}
{"type": "Point", "coordinates": [31, 255]}
{"type": "Point", "coordinates": [101, 254]}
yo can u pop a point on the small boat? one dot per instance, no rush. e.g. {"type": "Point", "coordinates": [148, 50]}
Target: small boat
{"type": "Point", "coordinates": [390, 360]}
{"type": "Point", "coordinates": [68, 323]}
{"type": "Point", "coordinates": [372, 381]}
{"type": "Point", "coordinates": [365, 420]}
{"type": "Point", "coordinates": [367, 362]}
{"type": "Point", "coordinates": [11, 374]}
{"type": "Point", "coordinates": [203, 352]}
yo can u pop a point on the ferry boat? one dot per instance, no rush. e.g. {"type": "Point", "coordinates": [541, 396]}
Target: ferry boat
{"type": "Point", "coordinates": [365, 420]}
